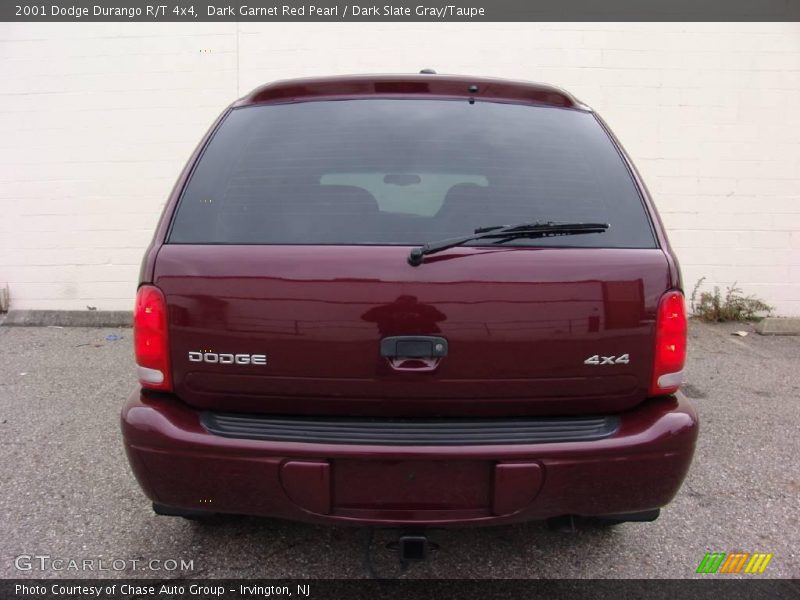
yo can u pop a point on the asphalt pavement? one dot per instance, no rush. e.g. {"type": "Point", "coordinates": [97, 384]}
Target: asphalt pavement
{"type": "Point", "coordinates": [67, 493]}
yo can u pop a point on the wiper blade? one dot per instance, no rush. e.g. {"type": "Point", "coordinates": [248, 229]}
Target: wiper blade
{"type": "Point", "coordinates": [504, 233]}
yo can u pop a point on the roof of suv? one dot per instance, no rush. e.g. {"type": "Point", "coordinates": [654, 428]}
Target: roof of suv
{"type": "Point", "coordinates": [432, 85]}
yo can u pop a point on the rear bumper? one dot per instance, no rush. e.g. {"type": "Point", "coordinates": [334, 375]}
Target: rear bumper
{"type": "Point", "coordinates": [179, 464]}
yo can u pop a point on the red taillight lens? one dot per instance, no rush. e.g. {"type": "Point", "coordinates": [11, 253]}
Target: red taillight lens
{"type": "Point", "coordinates": [670, 351]}
{"type": "Point", "coordinates": [150, 338]}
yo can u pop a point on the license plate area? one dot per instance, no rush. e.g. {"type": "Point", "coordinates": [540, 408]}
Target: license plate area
{"type": "Point", "coordinates": [411, 485]}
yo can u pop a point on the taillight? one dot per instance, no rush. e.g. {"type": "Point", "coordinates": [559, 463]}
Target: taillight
{"type": "Point", "coordinates": [670, 350]}
{"type": "Point", "coordinates": [150, 338]}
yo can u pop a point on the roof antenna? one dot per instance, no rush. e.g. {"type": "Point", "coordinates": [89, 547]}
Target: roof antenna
{"type": "Point", "coordinates": [427, 72]}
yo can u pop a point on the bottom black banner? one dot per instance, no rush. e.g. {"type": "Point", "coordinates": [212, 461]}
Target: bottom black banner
{"type": "Point", "coordinates": [241, 589]}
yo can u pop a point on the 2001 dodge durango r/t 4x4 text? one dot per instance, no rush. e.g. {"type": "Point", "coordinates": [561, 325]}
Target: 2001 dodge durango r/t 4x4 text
{"type": "Point", "coordinates": [410, 301]}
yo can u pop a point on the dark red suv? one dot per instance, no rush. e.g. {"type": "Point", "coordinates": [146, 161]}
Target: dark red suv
{"type": "Point", "coordinates": [410, 300]}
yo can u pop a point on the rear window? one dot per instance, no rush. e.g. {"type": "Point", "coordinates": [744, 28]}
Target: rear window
{"type": "Point", "coordinates": [405, 172]}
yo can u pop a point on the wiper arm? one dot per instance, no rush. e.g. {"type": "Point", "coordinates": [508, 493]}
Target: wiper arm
{"type": "Point", "coordinates": [503, 233]}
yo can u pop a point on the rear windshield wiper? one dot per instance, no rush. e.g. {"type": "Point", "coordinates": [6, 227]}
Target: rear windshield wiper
{"type": "Point", "coordinates": [504, 233]}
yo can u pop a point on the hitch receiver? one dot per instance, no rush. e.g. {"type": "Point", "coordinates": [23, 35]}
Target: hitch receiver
{"type": "Point", "coordinates": [413, 548]}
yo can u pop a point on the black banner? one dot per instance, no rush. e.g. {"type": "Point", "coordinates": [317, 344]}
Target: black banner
{"type": "Point", "coordinates": [399, 10]}
{"type": "Point", "coordinates": [714, 587]}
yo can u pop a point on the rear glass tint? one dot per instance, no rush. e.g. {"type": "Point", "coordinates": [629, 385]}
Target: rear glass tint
{"type": "Point", "coordinates": [406, 172]}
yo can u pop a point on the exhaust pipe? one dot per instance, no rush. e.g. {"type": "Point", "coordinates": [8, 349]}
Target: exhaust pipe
{"type": "Point", "coordinates": [638, 517]}
{"type": "Point", "coordinates": [570, 523]}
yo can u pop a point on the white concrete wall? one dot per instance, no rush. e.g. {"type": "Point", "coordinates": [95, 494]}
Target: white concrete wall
{"type": "Point", "coordinates": [97, 120]}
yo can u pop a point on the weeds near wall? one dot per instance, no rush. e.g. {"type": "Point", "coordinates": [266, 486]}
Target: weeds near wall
{"type": "Point", "coordinates": [733, 306]}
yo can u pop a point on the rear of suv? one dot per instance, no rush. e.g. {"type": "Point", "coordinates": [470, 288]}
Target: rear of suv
{"type": "Point", "coordinates": [410, 300]}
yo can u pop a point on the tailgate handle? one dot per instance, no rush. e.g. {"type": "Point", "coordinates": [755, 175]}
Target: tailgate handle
{"type": "Point", "coordinates": [413, 346]}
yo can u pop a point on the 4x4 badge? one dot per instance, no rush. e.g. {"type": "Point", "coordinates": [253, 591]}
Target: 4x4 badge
{"type": "Point", "coordinates": [623, 359]}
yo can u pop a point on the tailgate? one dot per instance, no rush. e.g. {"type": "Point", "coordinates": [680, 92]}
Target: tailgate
{"type": "Point", "coordinates": [528, 330]}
